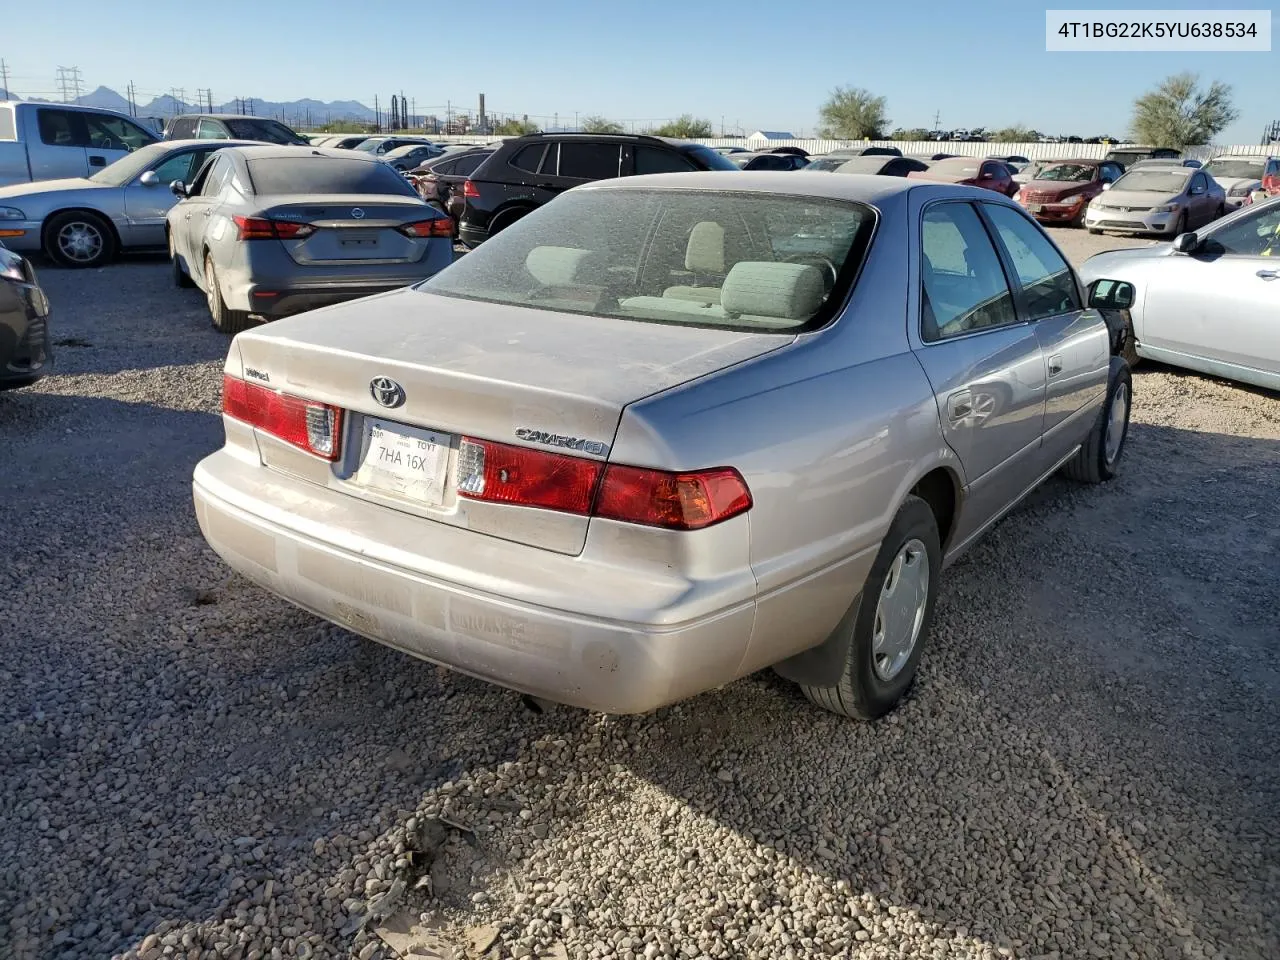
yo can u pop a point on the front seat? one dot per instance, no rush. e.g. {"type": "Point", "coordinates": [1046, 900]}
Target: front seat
{"type": "Point", "coordinates": [704, 258]}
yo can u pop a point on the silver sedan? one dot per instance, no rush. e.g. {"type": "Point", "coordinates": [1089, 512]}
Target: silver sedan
{"type": "Point", "coordinates": [1157, 199]}
{"type": "Point", "coordinates": [646, 441]}
{"type": "Point", "coordinates": [84, 222]}
{"type": "Point", "coordinates": [1210, 301]}
{"type": "Point", "coordinates": [270, 231]}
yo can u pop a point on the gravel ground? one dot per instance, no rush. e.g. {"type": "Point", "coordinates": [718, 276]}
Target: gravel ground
{"type": "Point", "coordinates": [1088, 767]}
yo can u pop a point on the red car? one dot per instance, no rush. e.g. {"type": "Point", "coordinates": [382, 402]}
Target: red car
{"type": "Point", "coordinates": [989, 174]}
{"type": "Point", "coordinates": [1061, 191]}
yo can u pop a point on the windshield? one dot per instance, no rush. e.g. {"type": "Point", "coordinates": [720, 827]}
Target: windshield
{"type": "Point", "coordinates": [1154, 181]}
{"type": "Point", "coordinates": [1069, 172]}
{"type": "Point", "coordinates": [710, 159]}
{"type": "Point", "coordinates": [312, 174]}
{"type": "Point", "coordinates": [621, 253]}
{"type": "Point", "coordinates": [827, 163]}
{"type": "Point", "coordinates": [370, 145]}
{"type": "Point", "coordinates": [1235, 169]}
{"type": "Point", "coordinates": [256, 128]}
{"type": "Point", "coordinates": [127, 167]}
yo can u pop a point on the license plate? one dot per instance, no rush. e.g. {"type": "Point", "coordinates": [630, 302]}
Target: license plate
{"type": "Point", "coordinates": [360, 240]}
{"type": "Point", "coordinates": [404, 461]}
{"type": "Point", "coordinates": [1036, 207]}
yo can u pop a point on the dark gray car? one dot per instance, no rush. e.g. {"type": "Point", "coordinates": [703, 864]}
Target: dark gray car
{"type": "Point", "coordinates": [271, 231]}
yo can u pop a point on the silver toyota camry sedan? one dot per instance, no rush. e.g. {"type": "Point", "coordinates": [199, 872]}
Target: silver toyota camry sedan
{"type": "Point", "coordinates": [666, 431]}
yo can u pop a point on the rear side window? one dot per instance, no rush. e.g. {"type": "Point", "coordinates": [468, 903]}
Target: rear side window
{"type": "Point", "coordinates": [963, 284]}
{"type": "Point", "coordinates": [653, 160]}
{"type": "Point", "coordinates": [59, 128]}
{"type": "Point", "coordinates": [7, 129]}
{"type": "Point", "coordinates": [310, 174]}
{"type": "Point", "coordinates": [465, 166]}
{"type": "Point", "coordinates": [589, 161]}
{"type": "Point", "coordinates": [1045, 277]}
{"type": "Point", "coordinates": [528, 158]}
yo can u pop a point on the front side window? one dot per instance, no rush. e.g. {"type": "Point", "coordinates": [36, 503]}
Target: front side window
{"type": "Point", "coordinates": [1199, 184]}
{"type": "Point", "coordinates": [184, 128]}
{"type": "Point", "coordinates": [1251, 236]}
{"type": "Point", "coordinates": [1046, 279]}
{"type": "Point", "coordinates": [963, 284]}
{"type": "Point", "coordinates": [115, 133]}
{"type": "Point", "coordinates": [695, 257]}
{"type": "Point", "coordinates": [589, 161]}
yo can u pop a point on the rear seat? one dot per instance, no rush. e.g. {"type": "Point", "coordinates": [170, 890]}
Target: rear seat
{"type": "Point", "coordinates": [704, 254]}
{"type": "Point", "coordinates": [755, 293]}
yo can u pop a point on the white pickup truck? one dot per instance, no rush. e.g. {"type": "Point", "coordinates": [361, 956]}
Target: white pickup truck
{"type": "Point", "coordinates": [48, 141]}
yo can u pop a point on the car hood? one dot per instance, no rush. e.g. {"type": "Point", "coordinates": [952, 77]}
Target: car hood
{"type": "Point", "coordinates": [40, 187]}
{"type": "Point", "coordinates": [1136, 198]}
{"type": "Point", "coordinates": [1060, 187]}
{"type": "Point", "coordinates": [1121, 264]}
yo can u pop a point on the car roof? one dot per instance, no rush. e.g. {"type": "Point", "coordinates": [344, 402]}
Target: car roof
{"type": "Point", "coordinates": [866, 188]}
{"type": "Point", "coordinates": [1083, 161]}
{"type": "Point", "coordinates": [192, 142]}
{"type": "Point", "coordinates": [221, 116]}
{"type": "Point", "coordinates": [282, 152]}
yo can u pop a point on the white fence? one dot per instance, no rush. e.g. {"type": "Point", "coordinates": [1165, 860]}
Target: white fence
{"type": "Point", "coordinates": [1033, 151]}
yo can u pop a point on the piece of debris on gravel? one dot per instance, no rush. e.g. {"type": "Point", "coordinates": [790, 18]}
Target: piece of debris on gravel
{"type": "Point", "coordinates": [1088, 767]}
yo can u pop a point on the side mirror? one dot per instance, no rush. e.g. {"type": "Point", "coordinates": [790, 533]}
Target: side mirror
{"type": "Point", "coordinates": [179, 189]}
{"type": "Point", "coordinates": [1107, 185]}
{"type": "Point", "coordinates": [1185, 243]}
{"type": "Point", "coordinates": [149, 179]}
{"type": "Point", "coordinates": [1111, 295]}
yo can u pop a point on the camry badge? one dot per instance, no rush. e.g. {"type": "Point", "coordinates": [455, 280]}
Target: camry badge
{"type": "Point", "coordinates": [386, 391]}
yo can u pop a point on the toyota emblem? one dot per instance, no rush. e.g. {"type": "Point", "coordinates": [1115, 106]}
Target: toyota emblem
{"type": "Point", "coordinates": [386, 391]}
{"type": "Point", "coordinates": [357, 214]}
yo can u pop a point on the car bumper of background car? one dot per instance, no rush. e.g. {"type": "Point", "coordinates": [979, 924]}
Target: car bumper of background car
{"type": "Point", "coordinates": [1054, 212]}
{"type": "Point", "coordinates": [472, 235]}
{"type": "Point", "coordinates": [1124, 222]}
{"type": "Point", "coordinates": [25, 355]}
{"type": "Point", "coordinates": [324, 551]}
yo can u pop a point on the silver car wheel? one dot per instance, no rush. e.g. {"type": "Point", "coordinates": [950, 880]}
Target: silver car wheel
{"type": "Point", "coordinates": [211, 287]}
{"type": "Point", "coordinates": [80, 241]}
{"type": "Point", "coordinates": [900, 611]}
{"type": "Point", "coordinates": [1117, 422]}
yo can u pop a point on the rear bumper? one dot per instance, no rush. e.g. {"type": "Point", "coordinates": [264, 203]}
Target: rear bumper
{"type": "Point", "coordinates": [303, 542]}
{"type": "Point", "coordinates": [270, 300]}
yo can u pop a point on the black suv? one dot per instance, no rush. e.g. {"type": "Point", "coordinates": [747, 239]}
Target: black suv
{"type": "Point", "coordinates": [231, 126]}
{"type": "Point", "coordinates": [526, 172]}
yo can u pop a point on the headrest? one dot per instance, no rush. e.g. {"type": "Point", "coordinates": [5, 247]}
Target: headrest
{"type": "Point", "coordinates": [705, 252]}
{"type": "Point", "coordinates": [788, 291]}
{"type": "Point", "coordinates": [557, 266]}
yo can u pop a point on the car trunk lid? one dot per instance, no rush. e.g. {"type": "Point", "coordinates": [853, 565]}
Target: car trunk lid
{"type": "Point", "coordinates": [455, 368]}
{"type": "Point", "coordinates": [352, 229]}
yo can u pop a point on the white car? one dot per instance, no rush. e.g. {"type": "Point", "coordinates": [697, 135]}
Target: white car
{"type": "Point", "coordinates": [1241, 176]}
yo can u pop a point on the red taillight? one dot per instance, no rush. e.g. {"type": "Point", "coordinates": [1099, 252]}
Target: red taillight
{"type": "Point", "coordinates": [436, 227]}
{"type": "Point", "coordinates": [313, 427]}
{"type": "Point", "coordinates": [257, 228]}
{"type": "Point", "coordinates": [501, 473]}
{"type": "Point", "coordinates": [678, 501]}
{"type": "Point", "coordinates": [470, 190]}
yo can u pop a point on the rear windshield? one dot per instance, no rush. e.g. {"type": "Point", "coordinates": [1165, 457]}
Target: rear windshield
{"type": "Point", "coordinates": [311, 174]}
{"type": "Point", "coordinates": [749, 261]}
{"type": "Point", "coordinates": [256, 128]}
{"type": "Point", "coordinates": [1154, 181]}
{"type": "Point", "coordinates": [710, 159]}
{"type": "Point", "coordinates": [1227, 169]}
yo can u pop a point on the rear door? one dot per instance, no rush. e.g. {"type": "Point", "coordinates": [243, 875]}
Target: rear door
{"type": "Point", "coordinates": [56, 144]}
{"type": "Point", "coordinates": [569, 163]}
{"type": "Point", "coordinates": [985, 363]}
{"type": "Point", "coordinates": [1203, 204]}
{"type": "Point", "coordinates": [1075, 341]}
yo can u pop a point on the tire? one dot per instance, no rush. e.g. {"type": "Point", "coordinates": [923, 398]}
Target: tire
{"type": "Point", "coordinates": [179, 276]}
{"type": "Point", "coordinates": [504, 220]}
{"type": "Point", "coordinates": [1098, 459]}
{"type": "Point", "coordinates": [1094, 230]}
{"type": "Point", "coordinates": [866, 689]}
{"type": "Point", "coordinates": [1180, 225]}
{"type": "Point", "coordinates": [77, 239]}
{"type": "Point", "coordinates": [224, 320]}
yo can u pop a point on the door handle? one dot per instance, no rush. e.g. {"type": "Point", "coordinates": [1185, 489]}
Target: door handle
{"type": "Point", "coordinates": [1269, 274]}
{"type": "Point", "coordinates": [95, 161]}
{"type": "Point", "coordinates": [959, 405]}
{"type": "Point", "coordinates": [187, 217]}
{"type": "Point", "coordinates": [208, 213]}
{"type": "Point", "coordinates": [1055, 365]}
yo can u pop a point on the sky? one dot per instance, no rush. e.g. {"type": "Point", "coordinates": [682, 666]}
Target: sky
{"type": "Point", "coordinates": [744, 65]}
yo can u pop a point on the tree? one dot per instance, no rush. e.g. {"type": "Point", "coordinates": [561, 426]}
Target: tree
{"type": "Point", "coordinates": [852, 113]}
{"type": "Point", "coordinates": [515, 128]}
{"type": "Point", "coordinates": [1015, 134]}
{"type": "Point", "coordinates": [600, 125]}
{"type": "Point", "coordinates": [1179, 113]}
{"type": "Point", "coordinates": [685, 127]}
{"type": "Point", "coordinates": [911, 134]}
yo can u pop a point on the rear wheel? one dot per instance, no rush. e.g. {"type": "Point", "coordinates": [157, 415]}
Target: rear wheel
{"type": "Point", "coordinates": [894, 611]}
{"type": "Point", "coordinates": [504, 220]}
{"type": "Point", "coordinates": [224, 320]}
{"type": "Point", "coordinates": [179, 276]}
{"type": "Point", "coordinates": [78, 239]}
{"type": "Point", "coordinates": [1098, 459]}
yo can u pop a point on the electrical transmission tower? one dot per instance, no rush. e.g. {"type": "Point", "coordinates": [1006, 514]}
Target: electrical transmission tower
{"type": "Point", "coordinates": [4, 78]}
{"type": "Point", "coordinates": [69, 83]}
{"type": "Point", "coordinates": [1270, 135]}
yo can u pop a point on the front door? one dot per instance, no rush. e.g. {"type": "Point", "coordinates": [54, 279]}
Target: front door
{"type": "Point", "coordinates": [985, 364]}
{"type": "Point", "coordinates": [191, 214]}
{"type": "Point", "coordinates": [1221, 304]}
{"type": "Point", "coordinates": [147, 204]}
{"type": "Point", "coordinates": [1075, 341]}
{"type": "Point", "coordinates": [109, 138]}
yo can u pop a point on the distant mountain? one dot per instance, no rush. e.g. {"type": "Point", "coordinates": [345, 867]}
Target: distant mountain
{"type": "Point", "coordinates": [293, 111]}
